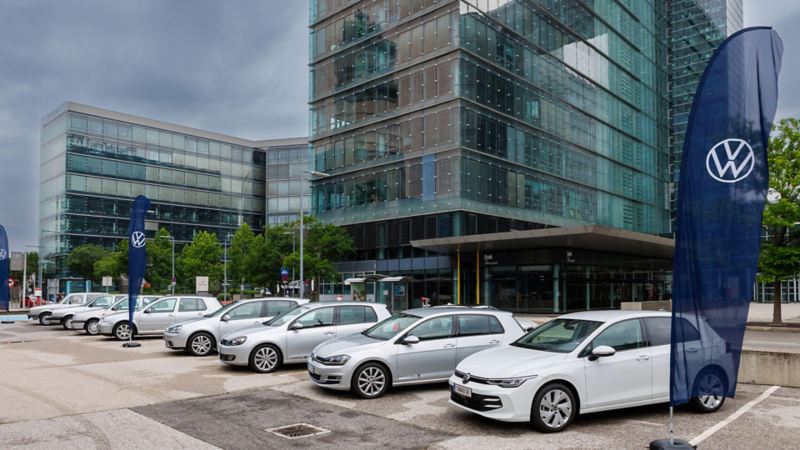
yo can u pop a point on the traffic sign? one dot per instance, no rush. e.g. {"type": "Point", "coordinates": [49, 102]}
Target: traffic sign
{"type": "Point", "coordinates": [284, 274]}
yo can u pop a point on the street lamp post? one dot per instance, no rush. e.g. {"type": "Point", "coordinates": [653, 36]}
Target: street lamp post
{"type": "Point", "coordinates": [302, 231]}
{"type": "Point", "coordinates": [225, 269]}
{"type": "Point", "coordinates": [172, 281]}
{"type": "Point", "coordinates": [294, 235]}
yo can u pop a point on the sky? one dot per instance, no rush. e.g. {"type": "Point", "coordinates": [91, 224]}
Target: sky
{"type": "Point", "coordinates": [234, 67]}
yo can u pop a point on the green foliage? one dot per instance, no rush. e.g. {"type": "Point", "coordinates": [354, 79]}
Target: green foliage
{"type": "Point", "coordinates": [240, 246]}
{"type": "Point", "coordinates": [82, 258]}
{"type": "Point", "coordinates": [32, 263]}
{"type": "Point", "coordinates": [159, 262]}
{"type": "Point", "coordinates": [202, 257]}
{"type": "Point", "coordinates": [263, 262]}
{"type": "Point", "coordinates": [114, 263]}
{"type": "Point", "coordinates": [780, 255]}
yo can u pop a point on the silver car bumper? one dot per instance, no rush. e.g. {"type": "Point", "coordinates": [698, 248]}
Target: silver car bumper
{"type": "Point", "coordinates": [176, 341]}
{"type": "Point", "coordinates": [105, 328]}
{"type": "Point", "coordinates": [330, 377]}
{"type": "Point", "coordinates": [235, 355]}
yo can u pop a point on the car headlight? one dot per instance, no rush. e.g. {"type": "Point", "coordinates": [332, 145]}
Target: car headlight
{"type": "Point", "coordinates": [174, 329]}
{"type": "Point", "coordinates": [237, 340]}
{"type": "Point", "coordinates": [509, 382]}
{"type": "Point", "coordinates": [335, 360]}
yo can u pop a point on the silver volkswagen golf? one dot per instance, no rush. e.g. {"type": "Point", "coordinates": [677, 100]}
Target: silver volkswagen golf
{"type": "Point", "coordinates": [157, 316]}
{"type": "Point", "coordinates": [290, 337]}
{"type": "Point", "coordinates": [417, 346]}
{"type": "Point", "coordinates": [199, 336]}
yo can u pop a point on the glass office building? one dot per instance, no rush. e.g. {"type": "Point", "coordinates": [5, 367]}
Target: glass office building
{"type": "Point", "coordinates": [94, 162]}
{"type": "Point", "coordinates": [439, 121]}
{"type": "Point", "coordinates": [696, 28]}
{"type": "Point", "coordinates": [288, 188]}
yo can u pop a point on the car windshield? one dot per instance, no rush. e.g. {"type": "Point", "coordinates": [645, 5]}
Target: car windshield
{"type": "Point", "coordinates": [223, 310]}
{"type": "Point", "coordinates": [123, 304]}
{"type": "Point", "coordinates": [559, 335]}
{"type": "Point", "coordinates": [390, 327]}
{"type": "Point", "coordinates": [288, 316]}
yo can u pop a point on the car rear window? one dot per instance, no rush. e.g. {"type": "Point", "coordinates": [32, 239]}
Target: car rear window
{"type": "Point", "coordinates": [476, 325]}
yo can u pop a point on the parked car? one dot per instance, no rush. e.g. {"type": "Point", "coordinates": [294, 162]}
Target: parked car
{"type": "Point", "coordinates": [157, 316]}
{"type": "Point", "coordinates": [64, 315]}
{"type": "Point", "coordinates": [199, 336]}
{"type": "Point", "coordinates": [417, 346]}
{"type": "Point", "coordinates": [43, 313]}
{"type": "Point", "coordinates": [581, 363]}
{"type": "Point", "coordinates": [290, 337]}
{"type": "Point", "coordinates": [89, 320]}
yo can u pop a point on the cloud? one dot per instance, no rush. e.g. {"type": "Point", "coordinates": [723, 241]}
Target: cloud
{"type": "Point", "coordinates": [238, 68]}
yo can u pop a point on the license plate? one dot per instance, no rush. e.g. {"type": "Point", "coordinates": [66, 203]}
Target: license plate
{"type": "Point", "coordinates": [462, 390]}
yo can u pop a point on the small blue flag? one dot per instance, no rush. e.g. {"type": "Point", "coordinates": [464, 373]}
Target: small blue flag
{"type": "Point", "coordinates": [137, 253]}
{"type": "Point", "coordinates": [723, 186]}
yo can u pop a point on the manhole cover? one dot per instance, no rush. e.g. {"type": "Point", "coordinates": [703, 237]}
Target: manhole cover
{"type": "Point", "coordinates": [298, 430]}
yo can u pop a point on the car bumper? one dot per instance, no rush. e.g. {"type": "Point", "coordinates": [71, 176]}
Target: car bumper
{"type": "Point", "coordinates": [175, 341]}
{"type": "Point", "coordinates": [330, 377]}
{"type": "Point", "coordinates": [105, 328]}
{"type": "Point", "coordinates": [234, 355]}
{"type": "Point", "coordinates": [494, 402]}
{"type": "Point", "coordinates": [33, 316]}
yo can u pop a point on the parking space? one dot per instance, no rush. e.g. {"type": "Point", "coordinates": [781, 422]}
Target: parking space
{"type": "Point", "coordinates": [81, 388]}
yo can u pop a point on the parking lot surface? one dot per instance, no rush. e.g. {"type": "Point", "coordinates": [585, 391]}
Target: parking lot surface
{"type": "Point", "coordinates": [62, 389]}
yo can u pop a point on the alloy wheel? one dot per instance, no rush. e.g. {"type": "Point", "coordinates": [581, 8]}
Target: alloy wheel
{"type": "Point", "coordinates": [265, 359]}
{"type": "Point", "coordinates": [555, 408]}
{"type": "Point", "coordinates": [92, 328]}
{"type": "Point", "coordinates": [201, 344]}
{"type": "Point", "coordinates": [123, 332]}
{"type": "Point", "coordinates": [371, 381]}
{"type": "Point", "coordinates": [709, 383]}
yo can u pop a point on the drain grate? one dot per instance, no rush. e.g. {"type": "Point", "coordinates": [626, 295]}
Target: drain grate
{"type": "Point", "coordinates": [298, 430]}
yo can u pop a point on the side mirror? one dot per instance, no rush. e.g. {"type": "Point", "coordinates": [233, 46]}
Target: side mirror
{"type": "Point", "coordinates": [297, 326]}
{"type": "Point", "coordinates": [601, 351]}
{"type": "Point", "coordinates": [410, 340]}
{"type": "Point", "coordinates": [529, 329]}
{"type": "Point", "coordinates": [226, 318]}
{"type": "Point", "coordinates": [147, 311]}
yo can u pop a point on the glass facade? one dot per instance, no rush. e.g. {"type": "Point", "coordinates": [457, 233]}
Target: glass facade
{"type": "Point", "coordinates": [287, 184]}
{"type": "Point", "coordinates": [696, 28]}
{"type": "Point", "coordinates": [94, 162]}
{"type": "Point", "coordinates": [456, 117]}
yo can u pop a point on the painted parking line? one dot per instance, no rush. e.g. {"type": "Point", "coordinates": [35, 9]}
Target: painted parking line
{"type": "Point", "coordinates": [706, 434]}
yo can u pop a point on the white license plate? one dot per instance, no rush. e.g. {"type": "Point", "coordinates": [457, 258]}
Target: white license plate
{"type": "Point", "coordinates": [462, 390]}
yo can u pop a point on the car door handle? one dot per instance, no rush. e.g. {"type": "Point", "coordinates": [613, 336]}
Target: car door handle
{"type": "Point", "coordinates": [449, 345]}
{"type": "Point", "coordinates": [494, 341]}
{"type": "Point", "coordinates": [328, 332]}
{"type": "Point", "coordinates": [642, 358]}
{"type": "Point", "coordinates": [692, 350]}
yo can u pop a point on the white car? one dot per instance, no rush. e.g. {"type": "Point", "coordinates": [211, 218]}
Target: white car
{"type": "Point", "coordinates": [587, 362]}
{"type": "Point", "coordinates": [199, 336]}
{"type": "Point", "coordinates": [158, 316]}
{"type": "Point", "coordinates": [88, 320]}
{"type": "Point", "coordinates": [64, 315]}
{"type": "Point", "coordinates": [43, 313]}
{"type": "Point", "coordinates": [290, 337]}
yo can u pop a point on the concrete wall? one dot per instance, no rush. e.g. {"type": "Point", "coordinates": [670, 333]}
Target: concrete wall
{"type": "Point", "coordinates": [773, 368]}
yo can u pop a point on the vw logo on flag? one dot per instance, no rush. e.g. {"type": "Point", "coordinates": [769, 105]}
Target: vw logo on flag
{"type": "Point", "coordinates": [137, 239]}
{"type": "Point", "coordinates": [3, 254]}
{"type": "Point", "coordinates": [730, 161]}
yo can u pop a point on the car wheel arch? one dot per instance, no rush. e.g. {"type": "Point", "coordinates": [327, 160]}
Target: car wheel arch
{"type": "Point", "coordinates": [206, 332]}
{"type": "Point", "coordinates": [569, 384]}
{"type": "Point", "coordinates": [713, 367]}
{"type": "Point", "coordinates": [380, 362]}
{"type": "Point", "coordinates": [275, 345]}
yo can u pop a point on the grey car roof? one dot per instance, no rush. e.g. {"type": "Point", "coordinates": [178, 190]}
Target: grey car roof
{"type": "Point", "coordinates": [338, 303]}
{"type": "Point", "coordinates": [427, 312]}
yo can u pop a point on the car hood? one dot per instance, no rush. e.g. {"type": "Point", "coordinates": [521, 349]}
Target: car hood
{"type": "Point", "coordinates": [508, 361]}
{"type": "Point", "coordinates": [347, 345]}
{"type": "Point", "coordinates": [49, 307]}
{"type": "Point", "coordinates": [80, 309]}
{"type": "Point", "coordinates": [193, 321]}
{"type": "Point", "coordinates": [258, 332]}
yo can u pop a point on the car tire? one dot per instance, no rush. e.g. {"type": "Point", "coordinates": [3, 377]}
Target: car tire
{"type": "Point", "coordinates": [122, 331]}
{"type": "Point", "coordinates": [554, 408]}
{"type": "Point", "coordinates": [265, 358]}
{"type": "Point", "coordinates": [371, 380]}
{"type": "Point", "coordinates": [708, 380]}
{"type": "Point", "coordinates": [91, 327]}
{"type": "Point", "coordinates": [44, 318]}
{"type": "Point", "coordinates": [66, 323]}
{"type": "Point", "coordinates": [201, 344]}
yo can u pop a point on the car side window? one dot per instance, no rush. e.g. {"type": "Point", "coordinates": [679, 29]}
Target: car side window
{"type": "Point", "coordinates": [690, 333]}
{"type": "Point", "coordinates": [319, 317]}
{"type": "Point", "coordinates": [191, 305]}
{"type": "Point", "coordinates": [277, 307]}
{"type": "Point", "coordinates": [164, 306]}
{"type": "Point", "coordinates": [349, 315]}
{"type": "Point", "coordinates": [476, 325]}
{"type": "Point", "coordinates": [250, 310]}
{"type": "Point", "coordinates": [626, 335]}
{"type": "Point", "coordinates": [436, 328]}
{"type": "Point", "coordinates": [372, 316]}
{"type": "Point", "coordinates": [658, 330]}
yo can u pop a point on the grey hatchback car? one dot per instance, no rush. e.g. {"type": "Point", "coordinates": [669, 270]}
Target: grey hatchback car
{"type": "Point", "coordinates": [417, 346]}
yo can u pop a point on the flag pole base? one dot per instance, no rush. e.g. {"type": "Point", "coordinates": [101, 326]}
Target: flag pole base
{"type": "Point", "coordinates": [131, 344]}
{"type": "Point", "coordinates": [671, 444]}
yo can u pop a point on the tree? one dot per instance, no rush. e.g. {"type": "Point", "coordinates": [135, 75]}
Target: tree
{"type": "Point", "coordinates": [263, 261]}
{"type": "Point", "coordinates": [32, 265]}
{"type": "Point", "coordinates": [780, 254]}
{"type": "Point", "coordinates": [113, 264]}
{"type": "Point", "coordinates": [202, 257]}
{"type": "Point", "coordinates": [240, 247]}
{"type": "Point", "coordinates": [159, 262]}
{"type": "Point", "coordinates": [82, 258]}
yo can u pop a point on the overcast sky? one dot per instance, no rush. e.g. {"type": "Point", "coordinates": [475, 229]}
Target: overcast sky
{"type": "Point", "coordinates": [235, 67]}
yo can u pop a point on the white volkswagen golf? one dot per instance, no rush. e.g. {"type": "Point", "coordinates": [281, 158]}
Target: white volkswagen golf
{"type": "Point", "coordinates": [586, 362]}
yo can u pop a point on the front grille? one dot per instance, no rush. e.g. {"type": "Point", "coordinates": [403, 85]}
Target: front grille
{"type": "Point", "coordinates": [314, 375]}
{"type": "Point", "coordinates": [472, 378]}
{"type": "Point", "coordinates": [330, 379]}
{"type": "Point", "coordinates": [477, 402]}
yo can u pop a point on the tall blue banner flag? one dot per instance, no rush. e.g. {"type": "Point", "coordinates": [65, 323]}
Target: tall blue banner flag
{"type": "Point", "coordinates": [137, 254]}
{"type": "Point", "coordinates": [723, 186]}
{"type": "Point", "coordinates": [5, 260]}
